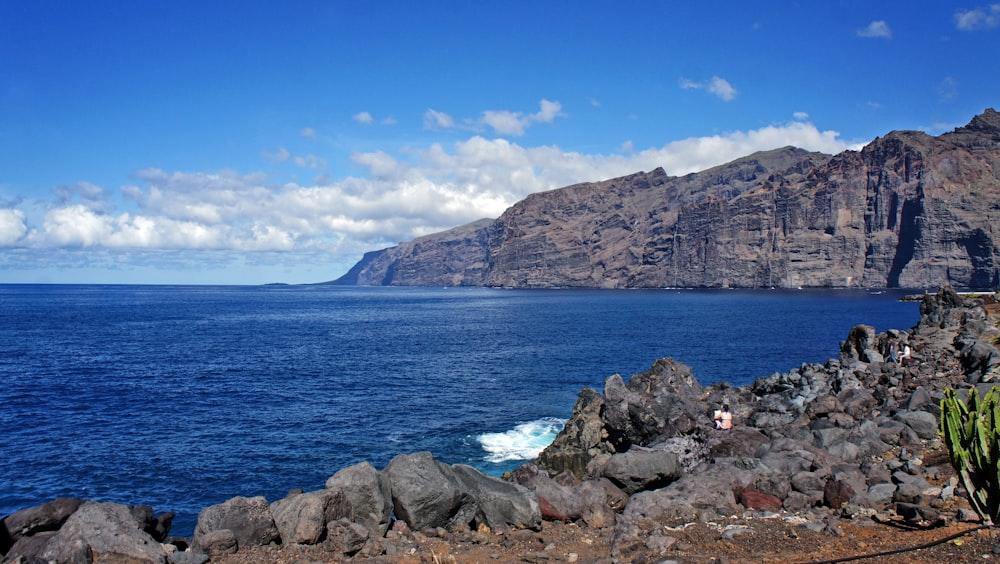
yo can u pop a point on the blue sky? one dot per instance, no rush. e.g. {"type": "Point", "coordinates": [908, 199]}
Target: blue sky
{"type": "Point", "coordinates": [255, 142]}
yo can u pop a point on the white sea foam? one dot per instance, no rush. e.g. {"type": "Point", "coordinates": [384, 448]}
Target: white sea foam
{"type": "Point", "coordinates": [523, 442]}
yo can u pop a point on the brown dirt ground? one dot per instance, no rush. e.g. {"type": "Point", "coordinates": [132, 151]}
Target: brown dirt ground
{"type": "Point", "coordinates": [773, 540]}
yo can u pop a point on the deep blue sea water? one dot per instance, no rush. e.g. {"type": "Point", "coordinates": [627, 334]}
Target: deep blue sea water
{"type": "Point", "coordinates": [181, 397]}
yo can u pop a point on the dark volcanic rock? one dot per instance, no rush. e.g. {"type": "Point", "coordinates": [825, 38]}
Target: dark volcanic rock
{"type": "Point", "coordinates": [32, 520]}
{"type": "Point", "coordinates": [908, 210]}
{"type": "Point", "coordinates": [427, 493]}
{"type": "Point", "coordinates": [639, 470]}
{"type": "Point", "coordinates": [107, 532]}
{"type": "Point", "coordinates": [249, 519]}
{"type": "Point", "coordinates": [365, 497]}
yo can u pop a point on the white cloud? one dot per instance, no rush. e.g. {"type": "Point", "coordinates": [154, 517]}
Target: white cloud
{"type": "Point", "coordinates": [877, 28]}
{"type": "Point", "coordinates": [310, 161]}
{"type": "Point", "coordinates": [502, 122]}
{"type": "Point", "coordinates": [688, 84]}
{"type": "Point", "coordinates": [308, 133]}
{"type": "Point", "coordinates": [368, 119]}
{"type": "Point", "coordinates": [434, 119]}
{"type": "Point", "coordinates": [279, 156]}
{"type": "Point", "coordinates": [363, 117]}
{"type": "Point", "coordinates": [800, 116]}
{"type": "Point", "coordinates": [948, 88]}
{"type": "Point", "coordinates": [717, 86]}
{"type": "Point", "coordinates": [12, 227]}
{"type": "Point", "coordinates": [721, 88]}
{"type": "Point", "coordinates": [979, 18]}
{"type": "Point", "coordinates": [378, 163]}
{"type": "Point", "coordinates": [399, 196]}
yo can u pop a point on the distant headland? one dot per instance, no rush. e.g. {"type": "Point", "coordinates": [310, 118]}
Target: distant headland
{"type": "Point", "coordinates": [909, 210]}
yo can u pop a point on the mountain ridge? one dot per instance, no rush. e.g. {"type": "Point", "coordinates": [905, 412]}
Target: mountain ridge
{"type": "Point", "coordinates": [907, 210]}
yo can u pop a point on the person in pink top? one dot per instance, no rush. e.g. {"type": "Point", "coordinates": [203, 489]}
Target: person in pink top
{"type": "Point", "coordinates": [724, 418]}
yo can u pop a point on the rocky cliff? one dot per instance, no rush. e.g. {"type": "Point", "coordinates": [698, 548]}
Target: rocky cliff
{"type": "Point", "coordinates": [909, 210]}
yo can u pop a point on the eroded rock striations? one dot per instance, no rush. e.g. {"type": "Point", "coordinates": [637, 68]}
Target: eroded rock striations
{"type": "Point", "coordinates": [909, 210]}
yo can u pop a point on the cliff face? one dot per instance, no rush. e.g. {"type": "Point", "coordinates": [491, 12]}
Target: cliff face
{"type": "Point", "coordinates": [909, 210]}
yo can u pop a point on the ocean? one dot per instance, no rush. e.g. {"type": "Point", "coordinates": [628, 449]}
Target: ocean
{"type": "Point", "coordinates": [181, 397]}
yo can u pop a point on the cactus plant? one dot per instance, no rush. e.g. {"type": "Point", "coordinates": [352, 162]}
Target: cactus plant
{"type": "Point", "coordinates": [970, 432]}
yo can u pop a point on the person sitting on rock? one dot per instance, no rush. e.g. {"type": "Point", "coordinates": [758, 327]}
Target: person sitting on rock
{"type": "Point", "coordinates": [723, 418]}
{"type": "Point", "coordinates": [906, 356]}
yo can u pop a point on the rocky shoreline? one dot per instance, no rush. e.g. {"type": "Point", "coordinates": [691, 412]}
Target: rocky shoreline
{"type": "Point", "coordinates": [636, 468]}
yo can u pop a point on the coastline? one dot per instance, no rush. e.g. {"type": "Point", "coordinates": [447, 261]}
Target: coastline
{"type": "Point", "coordinates": [765, 419]}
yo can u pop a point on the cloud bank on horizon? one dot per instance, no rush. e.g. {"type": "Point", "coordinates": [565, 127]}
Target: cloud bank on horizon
{"type": "Point", "coordinates": [302, 200]}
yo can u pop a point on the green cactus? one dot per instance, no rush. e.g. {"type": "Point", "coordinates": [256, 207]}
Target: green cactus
{"type": "Point", "coordinates": [970, 432]}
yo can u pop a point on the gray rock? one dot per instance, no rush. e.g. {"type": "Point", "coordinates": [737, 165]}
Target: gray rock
{"type": "Point", "coordinates": [710, 487]}
{"type": "Point", "coordinates": [105, 531]}
{"type": "Point", "coordinates": [556, 501]}
{"type": "Point", "coordinates": [924, 424]}
{"type": "Point", "coordinates": [859, 345]}
{"type": "Point", "coordinates": [896, 433]}
{"type": "Point", "coordinates": [219, 542]}
{"type": "Point", "coordinates": [427, 494]}
{"type": "Point", "coordinates": [738, 442]}
{"type": "Point", "coordinates": [967, 516]}
{"type": "Point", "coordinates": [810, 483]}
{"type": "Point", "coordinates": [857, 402]}
{"type": "Point", "coordinates": [30, 548]}
{"type": "Point", "coordinates": [597, 500]}
{"type": "Point", "coordinates": [579, 439]}
{"type": "Point", "coordinates": [880, 494]}
{"type": "Point", "coordinates": [616, 413]}
{"type": "Point", "coordinates": [662, 402]}
{"type": "Point", "coordinates": [501, 504]}
{"type": "Point", "coordinates": [346, 537]}
{"type": "Point", "coordinates": [249, 519]}
{"type": "Point", "coordinates": [300, 519]}
{"type": "Point", "coordinates": [918, 399]}
{"type": "Point", "coordinates": [638, 470]}
{"type": "Point", "coordinates": [31, 520]}
{"type": "Point", "coordinates": [825, 438]}
{"type": "Point", "coordinates": [367, 497]}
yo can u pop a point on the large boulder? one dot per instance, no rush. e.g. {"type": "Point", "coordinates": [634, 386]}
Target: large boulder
{"type": "Point", "coordinates": [501, 504]}
{"type": "Point", "coordinates": [347, 537]}
{"type": "Point", "coordinates": [427, 493]}
{"type": "Point", "coordinates": [556, 501]}
{"type": "Point", "coordinates": [301, 518]}
{"type": "Point", "coordinates": [31, 520]}
{"type": "Point", "coordinates": [366, 497]}
{"type": "Point", "coordinates": [594, 501]}
{"type": "Point", "coordinates": [103, 532]}
{"type": "Point", "coordinates": [861, 345]}
{"type": "Point", "coordinates": [663, 402]}
{"type": "Point", "coordinates": [639, 470]}
{"type": "Point", "coordinates": [249, 519]}
{"type": "Point", "coordinates": [739, 441]}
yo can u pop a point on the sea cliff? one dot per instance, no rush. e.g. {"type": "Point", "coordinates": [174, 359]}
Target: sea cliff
{"type": "Point", "coordinates": [909, 210]}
